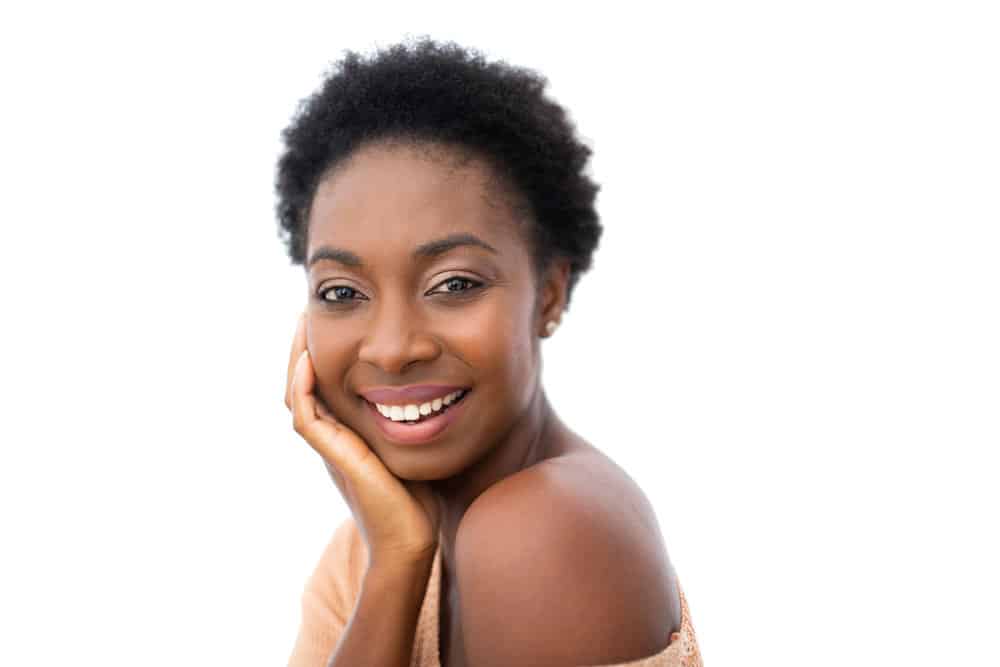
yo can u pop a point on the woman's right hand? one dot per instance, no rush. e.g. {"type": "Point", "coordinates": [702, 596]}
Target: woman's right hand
{"type": "Point", "coordinates": [398, 519]}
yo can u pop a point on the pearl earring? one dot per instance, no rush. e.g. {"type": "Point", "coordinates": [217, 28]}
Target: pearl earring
{"type": "Point", "coordinates": [550, 326]}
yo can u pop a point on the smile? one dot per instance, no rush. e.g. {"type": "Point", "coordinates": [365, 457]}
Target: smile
{"type": "Point", "coordinates": [415, 414]}
{"type": "Point", "coordinates": [413, 424]}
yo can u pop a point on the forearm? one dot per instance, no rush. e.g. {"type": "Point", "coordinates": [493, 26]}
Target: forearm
{"type": "Point", "coordinates": [384, 621]}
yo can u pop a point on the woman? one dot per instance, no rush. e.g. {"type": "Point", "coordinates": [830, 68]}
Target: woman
{"type": "Point", "coordinates": [438, 205]}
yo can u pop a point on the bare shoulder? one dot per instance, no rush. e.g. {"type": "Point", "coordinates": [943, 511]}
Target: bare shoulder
{"type": "Point", "coordinates": [564, 563]}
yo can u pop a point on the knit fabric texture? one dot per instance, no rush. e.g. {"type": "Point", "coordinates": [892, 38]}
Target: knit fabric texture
{"type": "Point", "coordinates": [333, 588]}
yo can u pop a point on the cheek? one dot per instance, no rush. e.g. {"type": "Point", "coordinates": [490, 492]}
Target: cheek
{"type": "Point", "coordinates": [494, 340]}
{"type": "Point", "coordinates": [330, 356]}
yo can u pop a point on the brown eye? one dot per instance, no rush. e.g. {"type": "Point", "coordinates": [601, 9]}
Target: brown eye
{"type": "Point", "coordinates": [340, 292]}
{"type": "Point", "coordinates": [457, 285]}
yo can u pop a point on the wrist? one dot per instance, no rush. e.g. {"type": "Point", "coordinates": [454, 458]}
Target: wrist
{"type": "Point", "coordinates": [397, 567]}
{"type": "Point", "coordinates": [416, 558]}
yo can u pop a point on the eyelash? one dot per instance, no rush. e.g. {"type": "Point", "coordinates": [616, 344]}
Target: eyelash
{"type": "Point", "coordinates": [457, 293]}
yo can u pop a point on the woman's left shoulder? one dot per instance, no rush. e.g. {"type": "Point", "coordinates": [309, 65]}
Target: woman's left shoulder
{"type": "Point", "coordinates": [588, 480]}
{"type": "Point", "coordinates": [583, 483]}
{"type": "Point", "coordinates": [567, 542]}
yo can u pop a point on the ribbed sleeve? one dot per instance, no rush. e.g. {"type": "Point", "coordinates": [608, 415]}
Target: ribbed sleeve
{"type": "Point", "coordinates": [329, 597]}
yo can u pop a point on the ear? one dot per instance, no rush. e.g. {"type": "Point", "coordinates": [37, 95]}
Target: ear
{"type": "Point", "coordinates": [552, 296]}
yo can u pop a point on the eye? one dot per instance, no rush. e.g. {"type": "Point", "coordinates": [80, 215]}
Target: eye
{"type": "Point", "coordinates": [342, 293]}
{"type": "Point", "coordinates": [454, 285]}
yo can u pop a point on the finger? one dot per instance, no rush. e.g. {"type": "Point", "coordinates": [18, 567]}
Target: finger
{"type": "Point", "coordinates": [298, 344]}
{"type": "Point", "coordinates": [330, 440]}
{"type": "Point", "coordinates": [304, 375]}
{"type": "Point", "coordinates": [337, 478]}
{"type": "Point", "coordinates": [303, 404]}
{"type": "Point", "coordinates": [323, 411]}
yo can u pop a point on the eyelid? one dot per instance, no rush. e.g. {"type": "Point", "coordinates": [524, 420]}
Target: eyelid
{"type": "Point", "coordinates": [329, 287]}
{"type": "Point", "coordinates": [475, 283]}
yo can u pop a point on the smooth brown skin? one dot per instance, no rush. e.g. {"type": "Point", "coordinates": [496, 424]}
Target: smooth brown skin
{"type": "Point", "coordinates": [551, 554]}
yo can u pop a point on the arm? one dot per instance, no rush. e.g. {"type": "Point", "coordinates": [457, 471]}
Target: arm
{"type": "Point", "coordinates": [400, 527]}
{"type": "Point", "coordinates": [382, 627]}
{"type": "Point", "coordinates": [347, 600]}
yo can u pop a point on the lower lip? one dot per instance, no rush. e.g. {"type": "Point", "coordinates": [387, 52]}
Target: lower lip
{"type": "Point", "coordinates": [421, 432]}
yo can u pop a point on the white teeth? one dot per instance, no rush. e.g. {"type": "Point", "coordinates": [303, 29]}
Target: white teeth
{"type": "Point", "coordinates": [413, 411]}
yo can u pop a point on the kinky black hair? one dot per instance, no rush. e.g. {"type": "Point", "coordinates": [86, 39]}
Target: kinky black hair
{"type": "Point", "coordinates": [445, 94]}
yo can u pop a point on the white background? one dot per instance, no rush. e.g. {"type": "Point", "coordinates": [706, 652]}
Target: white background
{"type": "Point", "coordinates": [788, 338]}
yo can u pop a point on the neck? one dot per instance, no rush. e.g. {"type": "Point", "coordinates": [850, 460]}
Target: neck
{"type": "Point", "coordinates": [534, 438]}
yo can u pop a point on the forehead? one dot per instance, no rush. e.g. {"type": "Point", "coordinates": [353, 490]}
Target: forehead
{"type": "Point", "coordinates": [409, 194]}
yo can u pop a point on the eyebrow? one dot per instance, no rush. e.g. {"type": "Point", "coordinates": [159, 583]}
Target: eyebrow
{"type": "Point", "coordinates": [424, 250]}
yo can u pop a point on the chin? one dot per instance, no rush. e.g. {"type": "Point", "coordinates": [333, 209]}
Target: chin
{"type": "Point", "coordinates": [414, 471]}
{"type": "Point", "coordinates": [421, 467]}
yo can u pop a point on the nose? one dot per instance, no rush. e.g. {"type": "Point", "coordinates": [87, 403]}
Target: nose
{"type": "Point", "coordinates": [395, 339]}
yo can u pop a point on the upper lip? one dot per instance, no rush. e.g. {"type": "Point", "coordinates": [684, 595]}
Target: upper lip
{"type": "Point", "coordinates": [414, 394]}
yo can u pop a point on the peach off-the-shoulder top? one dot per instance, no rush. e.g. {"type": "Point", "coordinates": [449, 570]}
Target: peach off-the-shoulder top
{"type": "Point", "coordinates": [332, 591]}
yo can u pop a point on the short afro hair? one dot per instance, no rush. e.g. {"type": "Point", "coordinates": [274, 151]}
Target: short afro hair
{"type": "Point", "coordinates": [444, 94]}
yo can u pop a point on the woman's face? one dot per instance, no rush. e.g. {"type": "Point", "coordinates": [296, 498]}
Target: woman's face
{"type": "Point", "coordinates": [465, 316]}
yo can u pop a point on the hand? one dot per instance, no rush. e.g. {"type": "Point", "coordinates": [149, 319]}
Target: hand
{"type": "Point", "coordinates": [399, 519]}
